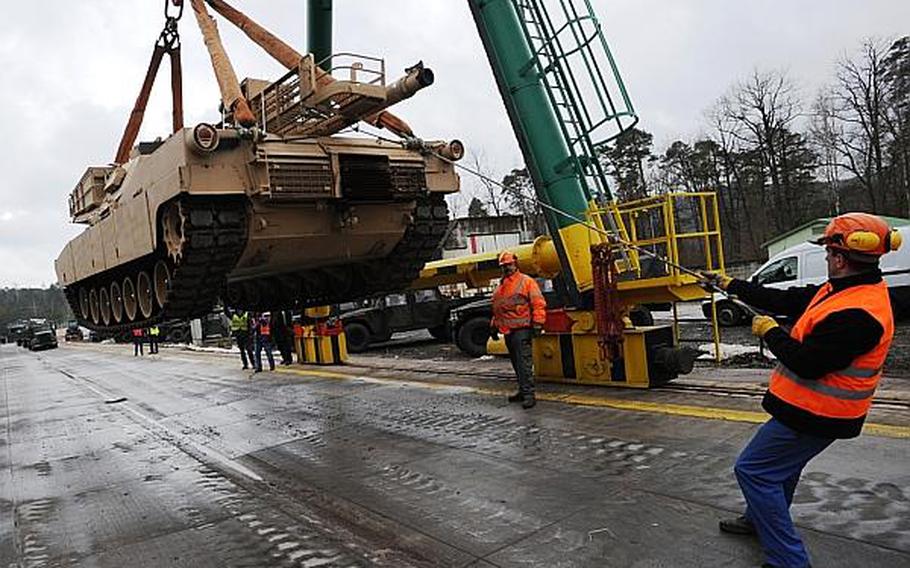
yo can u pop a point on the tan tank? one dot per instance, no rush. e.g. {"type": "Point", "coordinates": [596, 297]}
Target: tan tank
{"type": "Point", "coordinates": [273, 213]}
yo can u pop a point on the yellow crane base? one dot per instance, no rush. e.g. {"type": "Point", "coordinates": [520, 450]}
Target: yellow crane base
{"type": "Point", "coordinates": [648, 358]}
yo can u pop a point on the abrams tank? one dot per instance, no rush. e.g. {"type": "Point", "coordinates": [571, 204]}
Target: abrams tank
{"type": "Point", "coordinates": [271, 211]}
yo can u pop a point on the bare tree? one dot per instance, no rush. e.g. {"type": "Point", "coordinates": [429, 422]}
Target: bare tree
{"type": "Point", "coordinates": [860, 98]}
{"type": "Point", "coordinates": [491, 194]}
{"type": "Point", "coordinates": [759, 113]}
{"type": "Point", "coordinates": [735, 204]}
{"type": "Point", "coordinates": [825, 132]}
{"type": "Point", "coordinates": [458, 205]}
{"type": "Point", "coordinates": [521, 197]}
{"type": "Point", "coordinates": [896, 69]}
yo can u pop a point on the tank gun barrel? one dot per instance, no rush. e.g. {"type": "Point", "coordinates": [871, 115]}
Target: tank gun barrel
{"type": "Point", "coordinates": [417, 78]}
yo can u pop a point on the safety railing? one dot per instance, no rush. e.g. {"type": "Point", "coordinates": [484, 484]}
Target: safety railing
{"type": "Point", "coordinates": [357, 68]}
{"type": "Point", "coordinates": [681, 231]}
{"type": "Point", "coordinates": [304, 99]}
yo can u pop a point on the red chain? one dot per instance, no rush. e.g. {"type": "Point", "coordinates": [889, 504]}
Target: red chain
{"type": "Point", "coordinates": [608, 311]}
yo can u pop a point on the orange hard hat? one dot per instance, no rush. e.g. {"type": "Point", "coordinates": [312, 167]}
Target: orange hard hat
{"type": "Point", "coordinates": [507, 257]}
{"type": "Point", "coordinates": [863, 236]}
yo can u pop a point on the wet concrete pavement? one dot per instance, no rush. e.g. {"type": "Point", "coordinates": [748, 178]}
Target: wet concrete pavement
{"type": "Point", "coordinates": [202, 466]}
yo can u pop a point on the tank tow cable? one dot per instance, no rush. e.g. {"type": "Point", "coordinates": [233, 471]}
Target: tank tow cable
{"type": "Point", "coordinates": [418, 144]}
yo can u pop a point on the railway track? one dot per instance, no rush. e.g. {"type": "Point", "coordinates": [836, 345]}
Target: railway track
{"type": "Point", "coordinates": [731, 391]}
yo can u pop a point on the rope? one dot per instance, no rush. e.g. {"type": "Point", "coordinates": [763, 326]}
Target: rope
{"type": "Point", "coordinates": [420, 145]}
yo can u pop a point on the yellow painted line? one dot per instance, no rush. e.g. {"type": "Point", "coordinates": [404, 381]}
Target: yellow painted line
{"type": "Point", "coordinates": [367, 378]}
{"type": "Point", "coordinates": [315, 373]}
{"type": "Point", "coordinates": [886, 430]}
{"type": "Point", "coordinates": [707, 412]}
{"type": "Point", "coordinates": [686, 410]}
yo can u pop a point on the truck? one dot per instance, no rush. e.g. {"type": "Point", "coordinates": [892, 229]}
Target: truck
{"type": "Point", "coordinates": [37, 328]}
{"type": "Point", "coordinates": [43, 338]}
{"type": "Point", "coordinates": [410, 310]}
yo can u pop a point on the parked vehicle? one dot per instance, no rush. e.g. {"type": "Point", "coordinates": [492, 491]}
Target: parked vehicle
{"type": "Point", "coordinates": [804, 264]}
{"type": "Point", "coordinates": [74, 333]}
{"type": "Point", "coordinates": [34, 327]}
{"type": "Point", "coordinates": [43, 339]}
{"type": "Point", "coordinates": [470, 326]}
{"type": "Point", "coordinates": [15, 331]}
{"type": "Point", "coordinates": [403, 311]}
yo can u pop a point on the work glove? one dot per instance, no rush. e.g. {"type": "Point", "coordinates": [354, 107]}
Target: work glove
{"type": "Point", "coordinates": [762, 325]}
{"type": "Point", "coordinates": [494, 333]}
{"type": "Point", "coordinates": [713, 280]}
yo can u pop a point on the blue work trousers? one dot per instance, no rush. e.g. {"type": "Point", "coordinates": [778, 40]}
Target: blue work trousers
{"type": "Point", "coordinates": [264, 342]}
{"type": "Point", "coordinates": [768, 470]}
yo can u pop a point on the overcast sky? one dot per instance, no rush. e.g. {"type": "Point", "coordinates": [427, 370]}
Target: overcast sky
{"type": "Point", "coordinates": [71, 72]}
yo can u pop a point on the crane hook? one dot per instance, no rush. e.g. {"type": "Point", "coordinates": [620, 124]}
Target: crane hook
{"type": "Point", "coordinates": [178, 4]}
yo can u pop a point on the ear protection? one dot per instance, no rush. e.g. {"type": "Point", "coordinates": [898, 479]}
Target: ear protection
{"type": "Point", "coordinates": [894, 240]}
{"type": "Point", "coordinates": [869, 242]}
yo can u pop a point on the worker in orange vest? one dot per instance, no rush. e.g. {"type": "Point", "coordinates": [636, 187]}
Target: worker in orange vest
{"type": "Point", "coordinates": [262, 332]}
{"type": "Point", "coordinates": [829, 365]}
{"type": "Point", "coordinates": [137, 341]}
{"type": "Point", "coordinates": [519, 312]}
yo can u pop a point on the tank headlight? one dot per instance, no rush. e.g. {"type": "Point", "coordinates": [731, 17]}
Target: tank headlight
{"type": "Point", "coordinates": [205, 138]}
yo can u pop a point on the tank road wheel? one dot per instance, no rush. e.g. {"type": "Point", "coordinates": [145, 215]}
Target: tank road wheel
{"type": "Point", "coordinates": [116, 302]}
{"type": "Point", "coordinates": [173, 230]}
{"type": "Point", "coordinates": [93, 306]}
{"type": "Point", "coordinates": [162, 282]}
{"type": "Point", "coordinates": [104, 303]}
{"type": "Point", "coordinates": [130, 302]}
{"type": "Point", "coordinates": [144, 293]}
{"type": "Point", "coordinates": [83, 302]}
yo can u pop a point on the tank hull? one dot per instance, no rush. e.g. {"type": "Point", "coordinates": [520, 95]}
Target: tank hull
{"type": "Point", "coordinates": [262, 223]}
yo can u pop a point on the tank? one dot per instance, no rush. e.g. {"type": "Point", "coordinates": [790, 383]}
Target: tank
{"type": "Point", "coordinates": [284, 213]}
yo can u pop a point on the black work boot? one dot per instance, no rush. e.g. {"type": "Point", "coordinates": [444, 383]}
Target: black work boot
{"type": "Point", "coordinates": [739, 525]}
{"type": "Point", "coordinates": [528, 401]}
{"type": "Point", "coordinates": [517, 397]}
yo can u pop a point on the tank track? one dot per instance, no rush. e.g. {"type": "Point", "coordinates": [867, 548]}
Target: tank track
{"type": "Point", "coordinates": [215, 235]}
{"type": "Point", "coordinates": [214, 232]}
{"type": "Point", "coordinates": [331, 285]}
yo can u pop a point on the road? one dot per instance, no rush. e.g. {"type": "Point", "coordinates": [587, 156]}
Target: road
{"type": "Point", "coordinates": [182, 459]}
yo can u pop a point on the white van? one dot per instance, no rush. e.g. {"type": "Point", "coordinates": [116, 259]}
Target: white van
{"type": "Point", "coordinates": [804, 264]}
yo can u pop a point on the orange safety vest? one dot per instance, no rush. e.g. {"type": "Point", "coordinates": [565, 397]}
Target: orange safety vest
{"type": "Point", "coordinates": [518, 303]}
{"type": "Point", "coordinates": [846, 393]}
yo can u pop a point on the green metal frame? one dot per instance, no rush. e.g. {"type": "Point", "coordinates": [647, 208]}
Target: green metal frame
{"type": "Point", "coordinates": [565, 99]}
{"type": "Point", "coordinates": [583, 82]}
